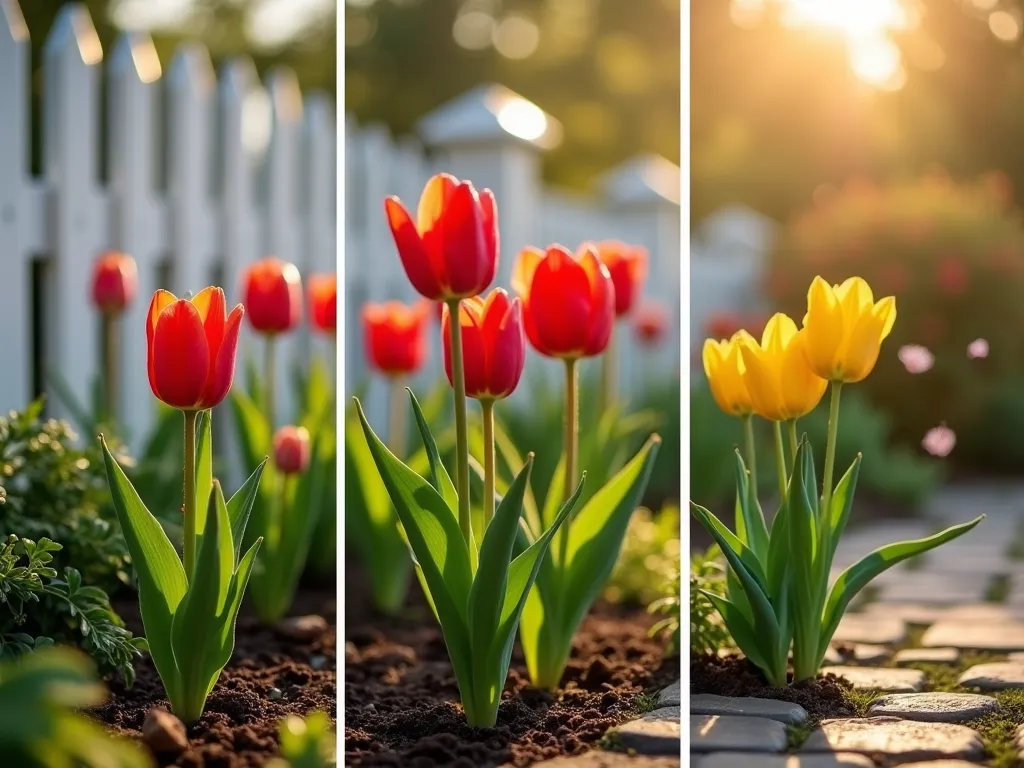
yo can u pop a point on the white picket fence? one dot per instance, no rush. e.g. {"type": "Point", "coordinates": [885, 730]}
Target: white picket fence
{"type": "Point", "coordinates": [201, 176]}
{"type": "Point", "coordinates": [496, 139]}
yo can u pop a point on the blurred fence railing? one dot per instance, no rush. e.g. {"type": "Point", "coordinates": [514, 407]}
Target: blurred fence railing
{"type": "Point", "coordinates": [497, 139]}
{"type": "Point", "coordinates": [192, 174]}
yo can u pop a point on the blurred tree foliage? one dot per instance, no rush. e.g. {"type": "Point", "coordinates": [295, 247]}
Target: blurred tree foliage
{"type": "Point", "coordinates": [608, 70]}
{"type": "Point", "coordinates": [776, 111]}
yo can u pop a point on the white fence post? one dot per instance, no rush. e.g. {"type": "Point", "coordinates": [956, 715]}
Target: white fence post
{"type": "Point", "coordinates": [134, 70]}
{"type": "Point", "coordinates": [15, 209]}
{"type": "Point", "coordinates": [72, 55]}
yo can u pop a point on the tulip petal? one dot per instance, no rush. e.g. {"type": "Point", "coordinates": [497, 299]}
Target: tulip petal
{"type": "Point", "coordinates": [761, 379]}
{"type": "Point", "coordinates": [212, 307]}
{"type": "Point", "coordinates": [861, 349]}
{"type": "Point", "coordinates": [507, 354]}
{"type": "Point", "coordinates": [181, 359]}
{"type": "Point", "coordinates": [416, 259]}
{"type": "Point", "coordinates": [523, 270]}
{"type": "Point", "coordinates": [799, 389]}
{"type": "Point", "coordinates": [433, 200]}
{"type": "Point", "coordinates": [560, 303]}
{"type": "Point", "coordinates": [489, 211]}
{"type": "Point", "coordinates": [886, 309]}
{"type": "Point", "coordinates": [462, 243]}
{"type": "Point", "coordinates": [825, 326]}
{"type": "Point", "coordinates": [602, 302]}
{"type": "Point", "coordinates": [161, 300]}
{"type": "Point", "coordinates": [222, 364]}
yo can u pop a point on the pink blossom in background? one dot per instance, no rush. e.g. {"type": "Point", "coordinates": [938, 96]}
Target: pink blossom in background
{"type": "Point", "coordinates": [939, 441]}
{"type": "Point", "coordinates": [977, 348]}
{"type": "Point", "coordinates": [915, 358]}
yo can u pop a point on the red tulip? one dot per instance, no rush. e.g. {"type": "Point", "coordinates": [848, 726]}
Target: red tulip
{"type": "Point", "coordinates": [191, 348]}
{"type": "Point", "coordinates": [627, 265]}
{"type": "Point", "coordinates": [396, 341]}
{"type": "Point", "coordinates": [493, 344]}
{"type": "Point", "coordinates": [650, 322]}
{"type": "Point", "coordinates": [323, 302]}
{"type": "Point", "coordinates": [722, 325]}
{"type": "Point", "coordinates": [273, 295]}
{"type": "Point", "coordinates": [114, 282]}
{"type": "Point", "coordinates": [568, 300]}
{"type": "Point", "coordinates": [451, 250]}
{"type": "Point", "coordinates": [291, 450]}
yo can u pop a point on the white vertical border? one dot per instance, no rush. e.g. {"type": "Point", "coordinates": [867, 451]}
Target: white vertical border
{"type": "Point", "coordinates": [684, 365]}
{"type": "Point", "coordinates": [339, 363]}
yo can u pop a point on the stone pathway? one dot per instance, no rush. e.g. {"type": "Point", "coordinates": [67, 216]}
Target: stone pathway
{"type": "Point", "coordinates": [954, 619]}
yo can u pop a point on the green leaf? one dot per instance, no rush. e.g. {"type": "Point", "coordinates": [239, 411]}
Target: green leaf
{"type": "Point", "coordinates": [253, 431]}
{"type": "Point", "coordinates": [857, 576]}
{"type": "Point", "coordinates": [437, 475]}
{"type": "Point", "coordinates": [754, 526]}
{"type": "Point", "coordinates": [204, 471]}
{"type": "Point", "coordinates": [488, 590]}
{"type": "Point", "coordinates": [514, 463]}
{"type": "Point", "coordinates": [804, 552]}
{"type": "Point", "coordinates": [746, 637]}
{"type": "Point", "coordinates": [553, 499]}
{"type": "Point", "coordinates": [227, 618]}
{"type": "Point", "coordinates": [162, 582]}
{"type": "Point", "coordinates": [842, 504]}
{"type": "Point", "coordinates": [240, 506]}
{"type": "Point", "coordinates": [438, 544]}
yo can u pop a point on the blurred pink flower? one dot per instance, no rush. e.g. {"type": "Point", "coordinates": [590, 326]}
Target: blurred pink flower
{"type": "Point", "coordinates": [977, 348]}
{"type": "Point", "coordinates": [939, 441]}
{"type": "Point", "coordinates": [915, 358]}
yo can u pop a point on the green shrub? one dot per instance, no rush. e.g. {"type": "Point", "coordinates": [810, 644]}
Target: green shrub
{"type": "Point", "coordinates": [38, 610]}
{"type": "Point", "coordinates": [707, 632]}
{"type": "Point", "coordinates": [953, 256]}
{"type": "Point", "coordinates": [893, 472]}
{"type": "Point", "coordinates": [307, 742]}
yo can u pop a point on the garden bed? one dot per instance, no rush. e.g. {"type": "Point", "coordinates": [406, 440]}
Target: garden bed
{"type": "Point", "coordinates": [269, 676]}
{"type": "Point", "coordinates": [401, 693]}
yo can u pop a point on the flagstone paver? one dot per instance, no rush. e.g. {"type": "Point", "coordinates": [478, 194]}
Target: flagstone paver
{"type": "Point", "coordinates": [747, 760]}
{"type": "Point", "coordinates": [670, 696]}
{"type": "Point", "coordinates": [1003, 636]}
{"type": "Point", "coordinates": [656, 733]}
{"type": "Point", "coordinates": [600, 759]}
{"type": "Point", "coordinates": [880, 678]}
{"type": "Point", "coordinates": [718, 733]}
{"type": "Point", "coordinates": [783, 711]}
{"type": "Point", "coordinates": [994, 676]}
{"type": "Point", "coordinates": [856, 653]}
{"type": "Point", "coordinates": [910, 656]}
{"type": "Point", "coordinates": [934, 707]}
{"type": "Point", "coordinates": [899, 740]}
{"type": "Point", "coordinates": [938, 588]}
{"type": "Point", "coordinates": [872, 630]}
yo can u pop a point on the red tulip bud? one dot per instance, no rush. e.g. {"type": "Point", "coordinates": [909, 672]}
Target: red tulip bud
{"type": "Point", "coordinates": [291, 450]}
{"type": "Point", "coordinates": [323, 302]}
{"type": "Point", "coordinates": [273, 295]}
{"type": "Point", "coordinates": [396, 342]}
{"type": "Point", "coordinates": [114, 282]}
{"type": "Point", "coordinates": [493, 344]}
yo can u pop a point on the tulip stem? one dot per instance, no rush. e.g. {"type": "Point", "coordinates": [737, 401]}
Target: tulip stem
{"type": "Point", "coordinates": [189, 545]}
{"type": "Point", "coordinates": [270, 372]}
{"type": "Point", "coordinates": [487, 406]}
{"type": "Point", "coordinates": [780, 459]}
{"type": "Point", "coordinates": [609, 383]}
{"type": "Point", "coordinates": [396, 416]}
{"type": "Point", "coordinates": [793, 442]}
{"type": "Point", "coordinates": [572, 438]}
{"type": "Point", "coordinates": [748, 442]}
{"type": "Point", "coordinates": [109, 352]}
{"type": "Point", "coordinates": [830, 447]}
{"type": "Point", "coordinates": [461, 431]}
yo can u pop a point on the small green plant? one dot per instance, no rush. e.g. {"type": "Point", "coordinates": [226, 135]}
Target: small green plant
{"type": "Point", "coordinates": [306, 742]}
{"type": "Point", "coordinates": [669, 606]}
{"type": "Point", "coordinates": [39, 725]}
{"type": "Point", "coordinates": [707, 576]}
{"type": "Point", "coordinates": [38, 610]}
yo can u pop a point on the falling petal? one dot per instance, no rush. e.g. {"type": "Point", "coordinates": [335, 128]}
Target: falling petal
{"type": "Point", "coordinates": [939, 441]}
{"type": "Point", "coordinates": [915, 358]}
{"type": "Point", "coordinates": [977, 348]}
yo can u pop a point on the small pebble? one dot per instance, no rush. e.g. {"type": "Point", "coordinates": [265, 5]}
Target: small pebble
{"type": "Point", "coordinates": [163, 733]}
{"type": "Point", "coordinates": [274, 694]}
{"type": "Point", "coordinates": [303, 627]}
{"type": "Point", "coordinates": [318, 661]}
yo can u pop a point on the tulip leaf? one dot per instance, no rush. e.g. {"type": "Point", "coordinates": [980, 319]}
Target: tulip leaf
{"type": "Point", "coordinates": [553, 499]}
{"type": "Point", "coordinates": [240, 506]}
{"type": "Point", "coordinates": [754, 531]}
{"type": "Point", "coordinates": [857, 576]}
{"type": "Point", "coordinates": [204, 471]}
{"type": "Point", "coordinates": [514, 463]}
{"type": "Point", "coordinates": [162, 582]}
{"type": "Point", "coordinates": [802, 505]}
{"type": "Point", "coordinates": [756, 647]}
{"type": "Point", "coordinates": [441, 551]}
{"type": "Point", "coordinates": [437, 474]}
{"type": "Point", "coordinates": [227, 625]}
{"type": "Point", "coordinates": [842, 505]}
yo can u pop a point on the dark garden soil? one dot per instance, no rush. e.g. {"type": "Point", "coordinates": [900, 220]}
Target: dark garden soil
{"type": "Point", "coordinates": [826, 696]}
{"type": "Point", "coordinates": [239, 728]}
{"type": "Point", "coordinates": [401, 694]}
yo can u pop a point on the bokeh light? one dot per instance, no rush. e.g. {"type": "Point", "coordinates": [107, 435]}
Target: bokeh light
{"type": "Point", "coordinates": [516, 37]}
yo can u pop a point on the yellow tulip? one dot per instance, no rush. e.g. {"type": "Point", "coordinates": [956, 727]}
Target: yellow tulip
{"type": "Point", "coordinates": [844, 329]}
{"type": "Point", "coordinates": [723, 365]}
{"type": "Point", "coordinates": [781, 384]}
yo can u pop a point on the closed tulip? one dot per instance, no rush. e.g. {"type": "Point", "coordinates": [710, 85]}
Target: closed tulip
{"type": "Point", "coordinates": [627, 266]}
{"type": "Point", "coordinates": [114, 282]}
{"type": "Point", "coordinates": [450, 251]}
{"type": "Point", "coordinates": [191, 348]}
{"type": "Point", "coordinates": [395, 336]}
{"type": "Point", "coordinates": [568, 300]}
{"type": "Point", "coordinates": [780, 383]}
{"type": "Point", "coordinates": [724, 367]}
{"type": "Point", "coordinates": [844, 329]}
{"type": "Point", "coordinates": [323, 302]}
{"type": "Point", "coordinates": [291, 450]}
{"type": "Point", "coordinates": [493, 344]}
{"type": "Point", "coordinates": [650, 322]}
{"type": "Point", "coordinates": [273, 296]}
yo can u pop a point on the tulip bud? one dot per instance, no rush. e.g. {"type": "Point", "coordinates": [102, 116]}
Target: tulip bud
{"type": "Point", "coordinates": [493, 344]}
{"type": "Point", "coordinates": [191, 346]}
{"type": "Point", "coordinates": [291, 450]}
{"type": "Point", "coordinates": [323, 302]}
{"type": "Point", "coordinates": [627, 266]}
{"type": "Point", "coordinates": [650, 322]}
{"type": "Point", "coordinates": [568, 301]}
{"type": "Point", "coordinates": [273, 296]}
{"type": "Point", "coordinates": [395, 336]}
{"type": "Point", "coordinates": [723, 365]}
{"type": "Point", "coordinates": [451, 250]}
{"type": "Point", "coordinates": [114, 282]}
